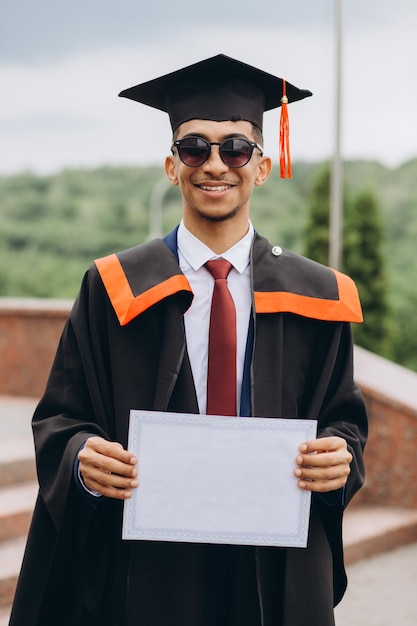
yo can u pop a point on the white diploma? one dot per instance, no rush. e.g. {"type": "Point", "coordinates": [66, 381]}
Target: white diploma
{"type": "Point", "coordinates": [212, 479]}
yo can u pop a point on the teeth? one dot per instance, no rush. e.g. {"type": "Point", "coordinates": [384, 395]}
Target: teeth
{"type": "Point", "coordinates": [211, 188]}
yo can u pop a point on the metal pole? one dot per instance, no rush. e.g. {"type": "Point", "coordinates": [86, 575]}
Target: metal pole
{"type": "Point", "coordinates": [336, 186]}
{"type": "Point", "coordinates": [155, 207]}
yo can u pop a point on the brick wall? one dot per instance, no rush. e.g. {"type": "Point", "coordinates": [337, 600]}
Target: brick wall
{"type": "Point", "coordinates": [390, 393]}
{"type": "Point", "coordinates": [29, 335]}
{"type": "Point", "coordinates": [390, 456]}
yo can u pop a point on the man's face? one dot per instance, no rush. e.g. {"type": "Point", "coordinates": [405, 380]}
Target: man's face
{"type": "Point", "coordinates": [215, 192]}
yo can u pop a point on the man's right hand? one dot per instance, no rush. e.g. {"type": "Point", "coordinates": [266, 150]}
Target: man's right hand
{"type": "Point", "coordinates": [107, 468]}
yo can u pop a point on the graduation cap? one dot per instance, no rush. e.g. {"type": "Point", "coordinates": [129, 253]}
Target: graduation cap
{"type": "Point", "coordinates": [220, 89]}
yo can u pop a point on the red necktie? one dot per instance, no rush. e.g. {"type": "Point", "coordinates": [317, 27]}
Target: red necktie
{"type": "Point", "coordinates": [221, 375]}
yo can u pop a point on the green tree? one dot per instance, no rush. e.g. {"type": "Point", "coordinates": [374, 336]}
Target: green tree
{"type": "Point", "coordinates": [404, 330]}
{"type": "Point", "coordinates": [365, 263]}
{"type": "Point", "coordinates": [317, 228]}
{"type": "Point", "coordinates": [361, 254]}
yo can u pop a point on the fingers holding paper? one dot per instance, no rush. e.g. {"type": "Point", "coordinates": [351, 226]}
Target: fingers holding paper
{"type": "Point", "coordinates": [323, 464]}
{"type": "Point", "coordinates": [107, 468]}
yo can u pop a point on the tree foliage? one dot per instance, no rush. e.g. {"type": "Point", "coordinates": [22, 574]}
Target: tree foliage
{"type": "Point", "coordinates": [362, 257]}
{"type": "Point", "coordinates": [364, 261]}
{"type": "Point", "coordinates": [317, 229]}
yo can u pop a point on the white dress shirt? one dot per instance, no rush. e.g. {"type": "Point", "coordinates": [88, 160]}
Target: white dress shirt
{"type": "Point", "coordinates": [193, 254]}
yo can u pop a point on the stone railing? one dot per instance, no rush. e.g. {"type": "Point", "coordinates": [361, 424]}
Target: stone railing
{"type": "Point", "coordinates": [390, 393]}
{"type": "Point", "coordinates": [29, 335]}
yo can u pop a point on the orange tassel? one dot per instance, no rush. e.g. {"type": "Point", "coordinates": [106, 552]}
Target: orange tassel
{"type": "Point", "coordinates": [284, 136]}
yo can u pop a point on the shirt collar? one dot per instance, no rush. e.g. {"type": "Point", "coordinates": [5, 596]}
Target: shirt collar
{"type": "Point", "coordinates": [196, 253]}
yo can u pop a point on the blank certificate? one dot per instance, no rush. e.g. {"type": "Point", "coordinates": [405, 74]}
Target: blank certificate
{"type": "Point", "coordinates": [216, 479]}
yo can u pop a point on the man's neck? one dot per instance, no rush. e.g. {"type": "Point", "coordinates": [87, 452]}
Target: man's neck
{"type": "Point", "coordinates": [218, 236]}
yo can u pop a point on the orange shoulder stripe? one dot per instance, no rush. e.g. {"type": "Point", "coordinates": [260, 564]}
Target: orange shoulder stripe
{"type": "Point", "coordinates": [346, 309]}
{"type": "Point", "coordinates": [126, 305]}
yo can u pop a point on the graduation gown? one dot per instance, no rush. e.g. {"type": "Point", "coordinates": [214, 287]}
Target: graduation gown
{"type": "Point", "coordinates": [124, 347]}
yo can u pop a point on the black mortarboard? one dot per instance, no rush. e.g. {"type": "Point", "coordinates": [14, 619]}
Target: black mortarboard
{"type": "Point", "coordinates": [220, 89]}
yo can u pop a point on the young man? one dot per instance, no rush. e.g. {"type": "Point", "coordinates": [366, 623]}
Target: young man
{"type": "Point", "coordinates": [138, 337]}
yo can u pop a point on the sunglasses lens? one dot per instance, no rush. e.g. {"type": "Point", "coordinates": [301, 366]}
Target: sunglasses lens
{"type": "Point", "coordinates": [193, 151]}
{"type": "Point", "coordinates": [236, 152]}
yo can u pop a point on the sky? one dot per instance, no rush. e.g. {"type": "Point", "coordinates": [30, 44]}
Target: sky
{"type": "Point", "coordinates": [63, 64]}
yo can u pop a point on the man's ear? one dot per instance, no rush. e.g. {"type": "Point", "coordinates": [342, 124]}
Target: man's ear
{"type": "Point", "coordinates": [171, 170]}
{"type": "Point", "coordinates": [264, 170]}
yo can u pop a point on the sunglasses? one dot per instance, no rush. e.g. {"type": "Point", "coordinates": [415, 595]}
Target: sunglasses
{"type": "Point", "coordinates": [234, 152]}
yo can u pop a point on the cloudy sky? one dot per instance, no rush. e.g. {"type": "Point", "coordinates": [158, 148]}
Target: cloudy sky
{"type": "Point", "coordinates": [62, 65]}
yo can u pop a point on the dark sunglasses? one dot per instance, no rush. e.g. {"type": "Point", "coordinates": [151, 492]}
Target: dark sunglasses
{"type": "Point", "coordinates": [234, 152]}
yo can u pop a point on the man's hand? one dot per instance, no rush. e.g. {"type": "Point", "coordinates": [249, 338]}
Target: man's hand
{"type": "Point", "coordinates": [323, 464]}
{"type": "Point", "coordinates": [107, 468]}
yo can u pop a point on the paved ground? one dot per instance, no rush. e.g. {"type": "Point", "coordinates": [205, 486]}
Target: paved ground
{"type": "Point", "coordinates": [382, 591]}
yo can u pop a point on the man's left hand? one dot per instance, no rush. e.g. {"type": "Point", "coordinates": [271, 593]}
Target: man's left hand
{"type": "Point", "coordinates": [323, 464]}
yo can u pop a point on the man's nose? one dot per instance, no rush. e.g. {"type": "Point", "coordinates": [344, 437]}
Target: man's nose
{"type": "Point", "coordinates": [214, 164]}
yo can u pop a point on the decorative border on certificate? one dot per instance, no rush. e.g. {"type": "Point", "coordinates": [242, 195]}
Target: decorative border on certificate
{"type": "Point", "coordinates": [209, 479]}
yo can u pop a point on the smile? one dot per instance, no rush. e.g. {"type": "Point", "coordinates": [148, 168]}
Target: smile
{"type": "Point", "coordinates": [216, 188]}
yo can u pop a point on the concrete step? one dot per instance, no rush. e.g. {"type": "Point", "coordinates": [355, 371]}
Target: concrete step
{"type": "Point", "coordinates": [4, 616]}
{"type": "Point", "coordinates": [16, 507]}
{"type": "Point", "coordinates": [11, 555]}
{"type": "Point", "coordinates": [371, 530]}
{"type": "Point", "coordinates": [17, 461]}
